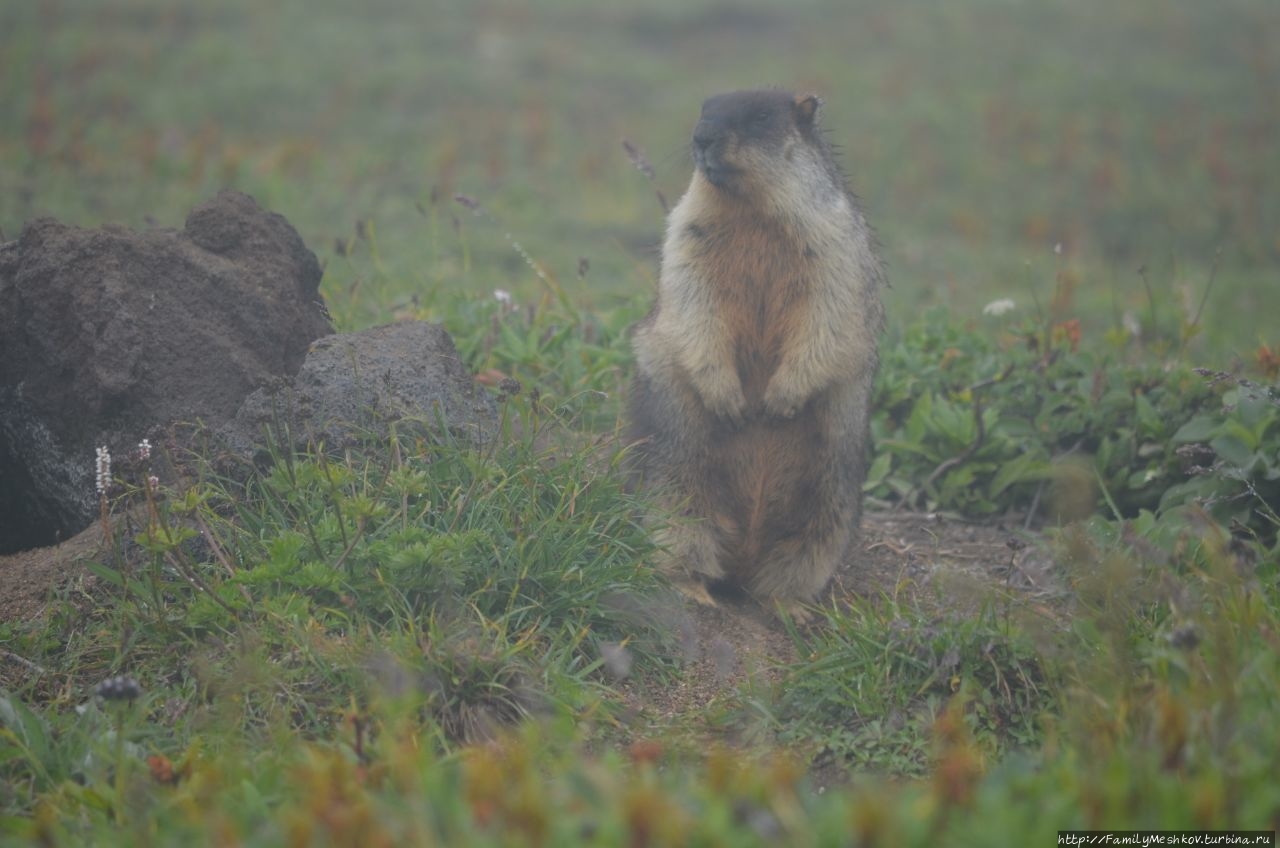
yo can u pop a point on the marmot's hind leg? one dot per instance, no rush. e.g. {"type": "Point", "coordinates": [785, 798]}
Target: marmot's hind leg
{"type": "Point", "coordinates": [797, 569]}
{"type": "Point", "coordinates": [689, 555]}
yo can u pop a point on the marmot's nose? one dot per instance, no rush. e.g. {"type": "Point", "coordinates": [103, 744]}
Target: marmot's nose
{"type": "Point", "coordinates": [704, 135]}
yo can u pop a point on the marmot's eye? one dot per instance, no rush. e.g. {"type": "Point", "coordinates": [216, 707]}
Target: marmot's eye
{"type": "Point", "coordinates": [759, 119]}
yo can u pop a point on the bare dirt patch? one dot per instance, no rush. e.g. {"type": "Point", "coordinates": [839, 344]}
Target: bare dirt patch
{"type": "Point", "coordinates": [28, 579]}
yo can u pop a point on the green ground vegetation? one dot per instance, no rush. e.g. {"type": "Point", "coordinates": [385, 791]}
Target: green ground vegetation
{"type": "Point", "coordinates": [419, 640]}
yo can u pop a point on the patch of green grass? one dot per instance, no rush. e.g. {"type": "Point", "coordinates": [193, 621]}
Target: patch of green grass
{"type": "Point", "coordinates": [1153, 732]}
{"type": "Point", "coordinates": [479, 581]}
{"type": "Point", "coordinates": [874, 680]}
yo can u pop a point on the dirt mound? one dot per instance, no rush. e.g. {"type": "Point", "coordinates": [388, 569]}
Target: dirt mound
{"type": "Point", "coordinates": [106, 334]}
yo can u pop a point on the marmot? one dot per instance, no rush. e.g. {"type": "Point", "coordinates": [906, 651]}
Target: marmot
{"type": "Point", "coordinates": [755, 366]}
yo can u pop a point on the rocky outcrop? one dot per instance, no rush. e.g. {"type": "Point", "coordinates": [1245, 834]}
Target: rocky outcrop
{"type": "Point", "coordinates": [106, 334]}
{"type": "Point", "coordinates": [352, 385]}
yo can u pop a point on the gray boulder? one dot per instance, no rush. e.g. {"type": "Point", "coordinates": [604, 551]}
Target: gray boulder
{"type": "Point", "coordinates": [353, 384]}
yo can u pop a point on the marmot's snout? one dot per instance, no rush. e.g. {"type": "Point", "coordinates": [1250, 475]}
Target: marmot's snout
{"type": "Point", "coordinates": [706, 136]}
{"type": "Point", "coordinates": [708, 151]}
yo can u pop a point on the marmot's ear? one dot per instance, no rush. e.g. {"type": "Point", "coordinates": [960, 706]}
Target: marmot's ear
{"type": "Point", "coordinates": [807, 109]}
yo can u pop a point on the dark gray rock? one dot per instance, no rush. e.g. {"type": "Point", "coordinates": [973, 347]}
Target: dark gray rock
{"type": "Point", "coordinates": [354, 384]}
{"type": "Point", "coordinates": [107, 334]}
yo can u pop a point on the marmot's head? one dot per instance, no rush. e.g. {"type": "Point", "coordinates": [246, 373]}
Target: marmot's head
{"type": "Point", "coordinates": [763, 143]}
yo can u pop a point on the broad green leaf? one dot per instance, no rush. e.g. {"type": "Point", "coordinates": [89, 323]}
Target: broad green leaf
{"type": "Point", "coordinates": [1201, 428]}
{"type": "Point", "coordinates": [1025, 468]}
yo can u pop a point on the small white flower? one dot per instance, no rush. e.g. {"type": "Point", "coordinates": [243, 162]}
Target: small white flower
{"type": "Point", "coordinates": [103, 466]}
{"type": "Point", "coordinates": [503, 296]}
{"type": "Point", "coordinates": [1131, 325]}
{"type": "Point", "coordinates": [1057, 248]}
{"type": "Point", "coordinates": [144, 449]}
{"type": "Point", "coordinates": [999, 307]}
{"type": "Point", "coordinates": [153, 483]}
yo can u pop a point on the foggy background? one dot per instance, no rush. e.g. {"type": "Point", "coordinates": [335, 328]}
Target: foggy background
{"type": "Point", "coordinates": [996, 145]}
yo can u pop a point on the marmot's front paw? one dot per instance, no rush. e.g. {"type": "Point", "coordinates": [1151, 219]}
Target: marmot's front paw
{"type": "Point", "coordinates": [780, 403]}
{"type": "Point", "coordinates": [733, 413]}
{"type": "Point", "coordinates": [726, 401]}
